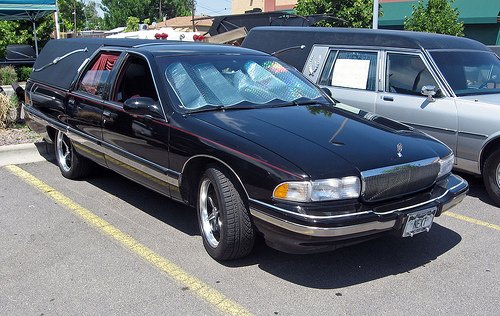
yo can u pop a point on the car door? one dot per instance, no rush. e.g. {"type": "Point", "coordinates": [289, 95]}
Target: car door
{"type": "Point", "coordinates": [405, 74]}
{"type": "Point", "coordinates": [85, 105]}
{"type": "Point", "coordinates": [135, 140]}
{"type": "Point", "coordinates": [351, 76]}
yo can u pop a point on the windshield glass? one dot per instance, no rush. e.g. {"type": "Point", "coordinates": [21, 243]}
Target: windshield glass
{"type": "Point", "coordinates": [229, 80]}
{"type": "Point", "coordinates": [470, 72]}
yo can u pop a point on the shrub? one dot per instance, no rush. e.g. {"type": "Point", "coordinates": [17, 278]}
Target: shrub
{"type": "Point", "coordinates": [23, 73]}
{"type": "Point", "coordinates": [8, 110]}
{"type": "Point", "coordinates": [7, 75]}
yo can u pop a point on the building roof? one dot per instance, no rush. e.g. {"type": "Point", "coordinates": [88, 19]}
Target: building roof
{"type": "Point", "coordinates": [186, 21]}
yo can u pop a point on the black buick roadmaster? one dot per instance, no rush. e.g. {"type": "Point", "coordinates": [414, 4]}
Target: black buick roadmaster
{"type": "Point", "coordinates": [241, 136]}
{"type": "Point", "coordinates": [446, 86]}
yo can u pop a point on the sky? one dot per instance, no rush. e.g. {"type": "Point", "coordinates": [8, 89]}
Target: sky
{"type": "Point", "coordinates": [213, 7]}
{"type": "Point", "coordinates": [207, 7]}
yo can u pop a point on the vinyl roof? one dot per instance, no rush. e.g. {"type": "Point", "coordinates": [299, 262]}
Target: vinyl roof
{"type": "Point", "coordinates": [59, 60]}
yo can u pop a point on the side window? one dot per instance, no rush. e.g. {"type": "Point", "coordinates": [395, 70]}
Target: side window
{"type": "Point", "coordinates": [407, 74]}
{"type": "Point", "coordinates": [325, 76]}
{"type": "Point", "coordinates": [352, 69]}
{"type": "Point", "coordinates": [134, 81]}
{"type": "Point", "coordinates": [95, 77]}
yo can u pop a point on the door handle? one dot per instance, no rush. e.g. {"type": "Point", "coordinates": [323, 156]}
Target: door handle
{"type": "Point", "coordinates": [106, 114]}
{"type": "Point", "coordinates": [386, 98]}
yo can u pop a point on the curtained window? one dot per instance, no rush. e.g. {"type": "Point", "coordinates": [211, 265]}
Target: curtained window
{"type": "Point", "coordinates": [94, 80]}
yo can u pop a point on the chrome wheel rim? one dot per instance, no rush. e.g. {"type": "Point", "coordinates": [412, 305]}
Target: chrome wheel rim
{"type": "Point", "coordinates": [63, 153]}
{"type": "Point", "coordinates": [497, 175]}
{"type": "Point", "coordinates": [209, 213]}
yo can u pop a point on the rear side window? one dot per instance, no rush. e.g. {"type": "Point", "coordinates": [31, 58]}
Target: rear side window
{"type": "Point", "coordinates": [407, 74]}
{"type": "Point", "coordinates": [351, 69]}
{"type": "Point", "coordinates": [94, 79]}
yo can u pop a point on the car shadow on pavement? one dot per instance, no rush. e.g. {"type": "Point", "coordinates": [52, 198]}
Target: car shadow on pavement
{"type": "Point", "coordinates": [343, 267]}
{"type": "Point", "coordinates": [358, 263]}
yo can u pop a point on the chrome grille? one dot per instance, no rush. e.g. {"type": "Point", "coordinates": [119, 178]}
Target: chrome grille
{"type": "Point", "coordinates": [394, 181]}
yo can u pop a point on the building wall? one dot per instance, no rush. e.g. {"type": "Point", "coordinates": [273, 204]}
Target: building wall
{"type": "Point", "coordinates": [240, 6]}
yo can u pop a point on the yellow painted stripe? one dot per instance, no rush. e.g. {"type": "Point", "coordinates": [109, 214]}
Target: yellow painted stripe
{"type": "Point", "coordinates": [472, 220]}
{"type": "Point", "coordinates": [196, 286]}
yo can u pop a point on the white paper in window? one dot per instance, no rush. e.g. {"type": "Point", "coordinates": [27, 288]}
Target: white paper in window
{"type": "Point", "coordinates": [350, 73]}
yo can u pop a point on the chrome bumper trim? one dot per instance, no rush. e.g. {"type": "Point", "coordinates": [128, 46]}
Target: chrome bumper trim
{"type": "Point", "coordinates": [324, 232]}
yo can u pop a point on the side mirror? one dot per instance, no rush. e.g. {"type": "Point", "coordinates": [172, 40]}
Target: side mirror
{"type": "Point", "coordinates": [327, 91]}
{"type": "Point", "coordinates": [143, 106]}
{"type": "Point", "coordinates": [430, 92]}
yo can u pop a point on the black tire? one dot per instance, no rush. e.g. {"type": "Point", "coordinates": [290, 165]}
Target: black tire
{"type": "Point", "coordinates": [223, 217]}
{"type": "Point", "coordinates": [71, 164]}
{"type": "Point", "coordinates": [491, 176]}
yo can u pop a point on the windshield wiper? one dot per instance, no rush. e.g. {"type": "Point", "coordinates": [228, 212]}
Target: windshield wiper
{"type": "Point", "coordinates": [296, 103]}
{"type": "Point", "coordinates": [220, 108]}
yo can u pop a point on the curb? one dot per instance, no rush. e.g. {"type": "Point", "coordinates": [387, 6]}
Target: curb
{"type": "Point", "coordinates": [26, 153]}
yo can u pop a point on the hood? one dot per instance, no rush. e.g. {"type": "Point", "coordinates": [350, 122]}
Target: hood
{"type": "Point", "coordinates": [491, 99]}
{"type": "Point", "coordinates": [327, 142]}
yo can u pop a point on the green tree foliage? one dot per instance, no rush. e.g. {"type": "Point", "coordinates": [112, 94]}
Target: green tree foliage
{"type": "Point", "coordinates": [21, 32]}
{"type": "Point", "coordinates": [66, 17]}
{"type": "Point", "coordinates": [132, 24]}
{"type": "Point", "coordinates": [436, 17]}
{"type": "Point", "coordinates": [117, 12]}
{"type": "Point", "coordinates": [355, 13]}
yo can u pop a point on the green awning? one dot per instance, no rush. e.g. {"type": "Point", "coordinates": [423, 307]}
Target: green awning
{"type": "Point", "coordinates": [26, 9]}
{"type": "Point", "coordinates": [471, 12]}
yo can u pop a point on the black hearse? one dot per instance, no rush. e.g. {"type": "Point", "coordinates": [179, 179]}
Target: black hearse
{"type": "Point", "coordinates": [241, 136]}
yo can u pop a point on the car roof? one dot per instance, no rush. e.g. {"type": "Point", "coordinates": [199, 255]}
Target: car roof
{"type": "Point", "coordinates": [366, 37]}
{"type": "Point", "coordinates": [275, 38]}
{"type": "Point", "coordinates": [51, 68]}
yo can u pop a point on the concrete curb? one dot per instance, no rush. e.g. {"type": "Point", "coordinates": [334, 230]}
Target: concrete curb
{"type": "Point", "coordinates": [26, 153]}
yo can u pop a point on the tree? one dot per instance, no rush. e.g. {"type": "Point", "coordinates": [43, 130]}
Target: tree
{"type": "Point", "coordinates": [117, 12]}
{"type": "Point", "coordinates": [21, 32]}
{"type": "Point", "coordinates": [355, 13]}
{"type": "Point", "coordinates": [436, 17]}
{"type": "Point", "coordinates": [66, 9]}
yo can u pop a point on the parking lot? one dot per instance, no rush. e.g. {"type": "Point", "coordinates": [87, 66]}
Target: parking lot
{"type": "Point", "coordinates": [106, 245]}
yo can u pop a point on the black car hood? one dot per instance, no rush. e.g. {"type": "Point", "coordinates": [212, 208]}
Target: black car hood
{"type": "Point", "coordinates": [324, 141]}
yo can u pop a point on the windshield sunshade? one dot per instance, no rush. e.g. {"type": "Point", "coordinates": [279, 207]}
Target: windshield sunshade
{"type": "Point", "coordinates": [230, 80]}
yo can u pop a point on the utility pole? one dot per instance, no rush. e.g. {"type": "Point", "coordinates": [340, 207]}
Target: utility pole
{"type": "Point", "coordinates": [192, 15]}
{"type": "Point", "coordinates": [161, 15]}
{"type": "Point", "coordinates": [375, 14]}
{"type": "Point", "coordinates": [74, 14]}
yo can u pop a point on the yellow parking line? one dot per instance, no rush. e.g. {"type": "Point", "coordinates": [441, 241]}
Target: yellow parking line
{"type": "Point", "coordinates": [201, 289]}
{"type": "Point", "coordinates": [472, 220]}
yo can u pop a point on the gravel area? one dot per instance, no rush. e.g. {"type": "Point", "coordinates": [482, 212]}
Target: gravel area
{"type": "Point", "coordinates": [18, 135]}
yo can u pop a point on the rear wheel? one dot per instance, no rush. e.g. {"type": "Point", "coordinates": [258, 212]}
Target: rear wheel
{"type": "Point", "coordinates": [491, 176]}
{"type": "Point", "coordinates": [71, 164]}
{"type": "Point", "coordinates": [223, 217]}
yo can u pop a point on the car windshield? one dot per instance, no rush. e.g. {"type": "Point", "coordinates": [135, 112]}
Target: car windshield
{"type": "Point", "coordinates": [224, 81]}
{"type": "Point", "coordinates": [469, 72]}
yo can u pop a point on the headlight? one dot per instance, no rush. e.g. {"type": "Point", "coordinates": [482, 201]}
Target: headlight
{"type": "Point", "coordinates": [446, 164]}
{"type": "Point", "coordinates": [320, 190]}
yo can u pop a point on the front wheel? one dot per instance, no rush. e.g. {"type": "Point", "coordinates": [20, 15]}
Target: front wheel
{"type": "Point", "coordinates": [491, 176]}
{"type": "Point", "coordinates": [71, 164]}
{"type": "Point", "coordinates": [223, 217]}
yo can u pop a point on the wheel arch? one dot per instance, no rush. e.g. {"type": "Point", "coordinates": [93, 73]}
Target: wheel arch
{"type": "Point", "coordinates": [192, 172]}
{"type": "Point", "coordinates": [490, 147]}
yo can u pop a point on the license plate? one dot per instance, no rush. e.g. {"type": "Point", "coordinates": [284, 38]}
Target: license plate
{"type": "Point", "coordinates": [418, 222]}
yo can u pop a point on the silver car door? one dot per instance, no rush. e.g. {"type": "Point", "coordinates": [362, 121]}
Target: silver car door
{"type": "Point", "coordinates": [405, 75]}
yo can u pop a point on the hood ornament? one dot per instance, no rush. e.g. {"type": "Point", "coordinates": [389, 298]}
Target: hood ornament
{"type": "Point", "coordinates": [399, 148]}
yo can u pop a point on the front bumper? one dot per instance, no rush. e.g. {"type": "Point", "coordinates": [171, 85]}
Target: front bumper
{"type": "Point", "coordinates": [295, 232]}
